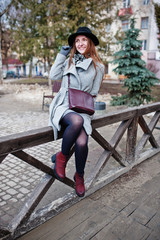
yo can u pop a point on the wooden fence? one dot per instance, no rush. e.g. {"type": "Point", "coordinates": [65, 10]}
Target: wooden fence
{"type": "Point", "coordinates": [135, 153]}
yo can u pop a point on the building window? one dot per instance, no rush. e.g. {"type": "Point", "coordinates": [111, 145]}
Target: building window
{"type": "Point", "coordinates": [108, 28]}
{"type": "Point", "coordinates": [125, 25]}
{"type": "Point", "coordinates": [126, 3]}
{"type": "Point", "coordinates": [146, 2]}
{"type": "Point", "coordinates": [144, 44]}
{"type": "Point", "coordinates": [144, 23]}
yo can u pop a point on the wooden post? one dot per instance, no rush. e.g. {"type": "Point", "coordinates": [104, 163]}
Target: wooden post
{"type": "Point", "coordinates": [131, 140]}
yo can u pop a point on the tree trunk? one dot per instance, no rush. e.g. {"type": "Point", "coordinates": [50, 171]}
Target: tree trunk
{"type": "Point", "coordinates": [45, 67]}
{"type": "Point", "coordinates": [49, 66]}
{"type": "Point", "coordinates": [30, 67]}
{"type": "Point", "coordinates": [1, 70]}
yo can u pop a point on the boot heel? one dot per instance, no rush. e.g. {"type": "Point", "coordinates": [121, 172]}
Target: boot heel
{"type": "Point", "coordinates": [53, 158]}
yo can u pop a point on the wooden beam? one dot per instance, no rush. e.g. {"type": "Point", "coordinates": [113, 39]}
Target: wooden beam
{"type": "Point", "coordinates": [131, 140]}
{"type": "Point", "coordinates": [15, 142]}
{"type": "Point", "coordinates": [120, 132]}
{"type": "Point", "coordinates": [32, 202]}
{"type": "Point", "coordinates": [101, 141]}
{"type": "Point", "coordinates": [154, 120]}
{"type": "Point", "coordinates": [126, 114]}
{"type": "Point", "coordinates": [145, 137]}
{"type": "Point", "coordinates": [113, 118]}
{"type": "Point", "coordinates": [97, 168]}
{"type": "Point", "coordinates": [20, 141]}
{"type": "Point", "coordinates": [41, 166]}
{"type": "Point", "coordinates": [148, 108]}
{"type": "Point", "coordinates": [147, 131]}
{"type": "Point", "coordinates": [107, 146]}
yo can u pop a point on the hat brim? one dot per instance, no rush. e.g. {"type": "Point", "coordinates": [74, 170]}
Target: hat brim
{"type": "Point", "coordinates": [72, 37]}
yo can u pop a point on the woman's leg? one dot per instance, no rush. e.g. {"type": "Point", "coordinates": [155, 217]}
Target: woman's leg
{"type": "Point", "coordinates": [81, 152]}
{"type": "Point", "coordinates": [73, 124]}
{"type": "Point", "coordinates": [73, 134]}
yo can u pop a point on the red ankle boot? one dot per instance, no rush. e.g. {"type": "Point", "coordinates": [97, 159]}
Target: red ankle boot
{"type": "Point", "coordinates": [80, 188]}
{"type": "Point", "coordinates": [60, 161]}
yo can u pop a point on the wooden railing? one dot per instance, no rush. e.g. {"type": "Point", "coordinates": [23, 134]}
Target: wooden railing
{"type": "Point", "coordinates": [135, 153]}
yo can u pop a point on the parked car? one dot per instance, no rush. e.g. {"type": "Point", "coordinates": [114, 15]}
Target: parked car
{"type": "Point", "coordinates": [10, 74]}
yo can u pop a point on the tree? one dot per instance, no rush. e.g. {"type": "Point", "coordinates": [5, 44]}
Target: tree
{"type": "Point", "coordinates": [139, 79]}
{"type": "Point", "coordinates": [24, 29]}
{"type": "Point", "coordinates": [3, 9]}
{"type": "Point", "coordinates": [41, 27]}
{"type": "Point", "coordinates": [157, 17]}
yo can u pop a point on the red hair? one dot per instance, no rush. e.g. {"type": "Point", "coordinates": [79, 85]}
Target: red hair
{"type": "Point", "coordinates": [90, 52]}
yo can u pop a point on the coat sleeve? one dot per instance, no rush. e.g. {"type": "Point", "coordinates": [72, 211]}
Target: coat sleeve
{"type": "Point", "coordinates": [57, 68]}
{"type": "Point", "coordinates": [98, 80]}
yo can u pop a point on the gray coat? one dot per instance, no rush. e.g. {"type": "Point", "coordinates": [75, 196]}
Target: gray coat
{"type": "Point", "coordinates": [82, 76]}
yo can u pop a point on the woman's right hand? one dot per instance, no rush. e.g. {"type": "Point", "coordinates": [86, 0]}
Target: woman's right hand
{"type": "Point", "coordinates": [65, 50]}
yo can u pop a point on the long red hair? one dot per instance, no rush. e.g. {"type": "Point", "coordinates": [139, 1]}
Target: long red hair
{"type": "Point", "coordinates": [90, 52]}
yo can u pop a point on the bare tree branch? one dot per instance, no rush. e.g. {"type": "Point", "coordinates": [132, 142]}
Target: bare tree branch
{"type": "Point", "coordinates": [7, 8]}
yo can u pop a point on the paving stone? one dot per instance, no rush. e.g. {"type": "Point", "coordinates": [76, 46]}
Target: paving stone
{"type": "Point", "coordinates": [12, 171]}
{"type": "Point", "coordinates": [1, 178]}
{"type": "Point", "coordinates": [2, 203]}
{"type": "Point", "coordinates": [25, 184]}
{"type": "Point", "coordinates": [6, 197]}
{"type": "Point", "coordinates": [12, 191]}
{"type": "Point", "coordinates": [5, 188]}
{"type": "Point", "coordinates": [5, 181]}
{"type": "Point", "coordinates": [10, 176]}
{"type": "Point", "coordinates": [24, 190]}
{"type": "Point", "coordinates": [17, 180]}
{"type": "Point", "coordinates": [20, 195]}
{"type": "Point", "coordinates": [12, 165]}
{"type": "Point", "coordinates": [13, 200]}
{"type": "Point", "coordinates": [2, 194]}
{"type": "Point", "coordinates": [11, 183]}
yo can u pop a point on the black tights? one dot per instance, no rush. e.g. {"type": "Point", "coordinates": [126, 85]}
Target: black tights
{"type": "Point", "coordinates": [74, 133]}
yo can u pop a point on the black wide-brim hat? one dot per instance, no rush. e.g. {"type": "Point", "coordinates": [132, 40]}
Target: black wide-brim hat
{"type": "Point", "coordinates": [83, 31]}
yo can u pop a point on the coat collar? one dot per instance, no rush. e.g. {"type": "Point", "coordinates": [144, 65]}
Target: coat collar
{"type": "Point", "coordinates": [84, 65]}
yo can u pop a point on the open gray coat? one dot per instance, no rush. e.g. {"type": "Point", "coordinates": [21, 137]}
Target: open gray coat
{"type": "Point", "coordinates": [82, 76]}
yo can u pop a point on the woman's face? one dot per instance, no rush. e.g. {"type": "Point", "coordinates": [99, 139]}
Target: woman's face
{"type": "Point", "coordinates": [81, 43]}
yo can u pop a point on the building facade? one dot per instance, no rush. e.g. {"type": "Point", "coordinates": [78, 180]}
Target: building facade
{"type": "Point", "coordinates": [143, 12]}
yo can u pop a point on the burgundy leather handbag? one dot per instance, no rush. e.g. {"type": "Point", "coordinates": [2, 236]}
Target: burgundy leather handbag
{"type": "Point", "coordinates": [80, 101]}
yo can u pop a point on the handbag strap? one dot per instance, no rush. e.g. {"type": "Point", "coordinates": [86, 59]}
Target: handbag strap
{"type": "Point", "coordinates": [68, 80]}
{"type": "Point", "coordinates": [69, 84]}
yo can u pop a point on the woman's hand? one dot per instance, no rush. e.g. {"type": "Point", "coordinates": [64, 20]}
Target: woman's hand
{"type": "Point", "coordinates": [65, 50]}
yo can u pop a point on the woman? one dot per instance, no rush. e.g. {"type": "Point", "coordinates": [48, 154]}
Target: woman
{"type": "Point", "coordinates": [86, 73]}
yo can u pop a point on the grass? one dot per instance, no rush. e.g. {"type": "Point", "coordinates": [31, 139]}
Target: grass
{"type": "Point", "coordinates": [31, 81]}
{"type": "Point", "coordinates": [114, 89]}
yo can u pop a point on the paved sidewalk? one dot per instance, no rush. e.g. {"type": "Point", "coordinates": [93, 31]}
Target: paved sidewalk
{"type": "Point", "coordinates": [126, 209]}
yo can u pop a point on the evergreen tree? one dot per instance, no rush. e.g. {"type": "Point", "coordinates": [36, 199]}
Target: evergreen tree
{"type": "Point", "coordinates": [139, 79]}
{"type": "Point", "coordinates": [157, 17]}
